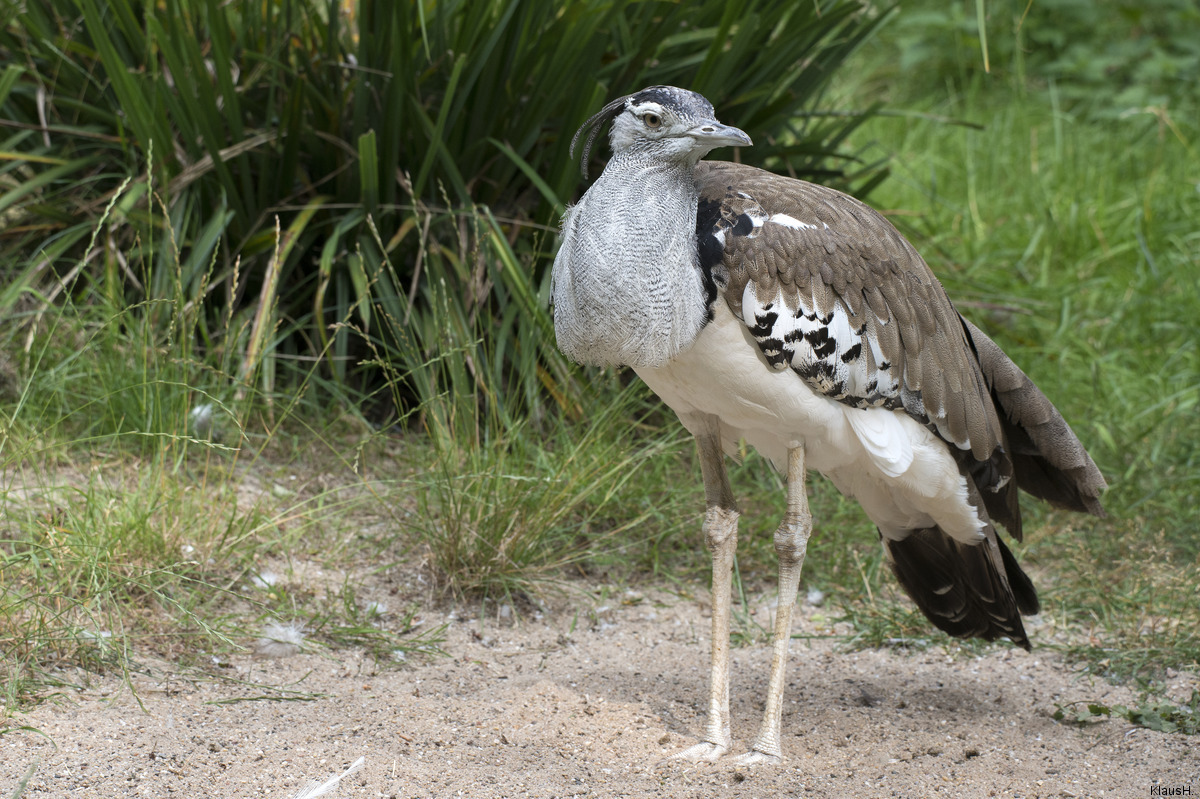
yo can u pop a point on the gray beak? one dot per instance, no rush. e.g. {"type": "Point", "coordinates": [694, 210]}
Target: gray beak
{"type": "Point", "coordinates": [713, 134]}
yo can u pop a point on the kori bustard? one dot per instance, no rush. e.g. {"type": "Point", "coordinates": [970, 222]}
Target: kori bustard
{"type": "Point", "coordinates": [789, 315]}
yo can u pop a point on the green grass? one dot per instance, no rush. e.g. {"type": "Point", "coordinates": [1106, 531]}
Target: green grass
{"type": "Point", "coordinates": [132, 528]}
{"type": "Point", "coordinates": [114, 550]}
{"type": "Point", "coordinates": [511, 514]}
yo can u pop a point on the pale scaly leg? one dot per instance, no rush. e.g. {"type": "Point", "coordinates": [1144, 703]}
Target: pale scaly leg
{"type": "Point", "coordinates": [791, 542]}
{"type": "Point", "coordinates": [720, 536]}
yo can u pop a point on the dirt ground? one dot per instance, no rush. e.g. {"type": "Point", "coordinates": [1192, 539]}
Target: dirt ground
{"type": "Point", "coordinates": [587, 702]}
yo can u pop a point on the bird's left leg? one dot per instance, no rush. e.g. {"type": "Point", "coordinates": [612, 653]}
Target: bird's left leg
{"type": "Point", "coordinates": [791, 542]}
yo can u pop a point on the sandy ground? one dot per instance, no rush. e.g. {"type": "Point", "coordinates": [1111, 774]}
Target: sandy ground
{"type": "Point", "coordinates": [588, 704]}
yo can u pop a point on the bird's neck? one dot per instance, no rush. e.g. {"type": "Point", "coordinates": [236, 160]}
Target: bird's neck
{"type": "Point", "coordinates": [635, 171]}
{"type": "Point", "coordinates": [628, 285]}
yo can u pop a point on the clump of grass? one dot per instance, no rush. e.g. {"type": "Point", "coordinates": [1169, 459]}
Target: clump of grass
{"type": "Point", "coordinates": [93, 563]}
{"type": "Point", "coordinates": [127, 524]}
{"type": "Point", "coordinates": [510, 516]}
{"type": "Point", "coordinates": [109, 556]}
{"type": "Point", "coordinates": [507, 502]}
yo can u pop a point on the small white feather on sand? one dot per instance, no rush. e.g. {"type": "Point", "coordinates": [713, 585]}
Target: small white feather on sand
{"type": "Point", "coordinates": [280, 640]}
{"type": "Point", "coordinates": [315, 789]}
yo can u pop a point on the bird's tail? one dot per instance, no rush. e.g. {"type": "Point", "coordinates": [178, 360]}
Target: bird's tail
{"type": "Point", "coordinates": [1048, 460]}
{"type": "Point", "coordinates": [979, 590]}
{"type": "Point", "coordinates": [967, 590]}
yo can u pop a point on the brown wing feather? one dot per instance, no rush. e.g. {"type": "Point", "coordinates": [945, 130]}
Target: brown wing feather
{"type": "Point", "coordinates": [813, 249]}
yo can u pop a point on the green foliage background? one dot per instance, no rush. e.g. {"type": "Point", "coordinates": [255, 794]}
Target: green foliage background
{"type": "Point", "coordinates": [315, 117]}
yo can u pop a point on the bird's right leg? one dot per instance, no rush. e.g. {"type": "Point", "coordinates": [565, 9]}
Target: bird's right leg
{"type": "Point", "coordinates": [720, 536]}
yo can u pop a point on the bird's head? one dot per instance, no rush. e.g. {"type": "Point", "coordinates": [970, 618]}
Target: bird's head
{"type": "Point", "coordinates": [663, 122]}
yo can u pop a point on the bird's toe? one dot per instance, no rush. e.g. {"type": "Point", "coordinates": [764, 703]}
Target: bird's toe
{"type": "Point", "coordinates": [702, 751]}
{"type": "Point", "coordinates": [757, 758]}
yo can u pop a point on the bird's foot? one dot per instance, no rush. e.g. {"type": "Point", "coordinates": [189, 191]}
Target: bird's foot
{"type": "Point", "coordinates": [702, 751]}
{"type": "Point", "coordinates": [757, 758]}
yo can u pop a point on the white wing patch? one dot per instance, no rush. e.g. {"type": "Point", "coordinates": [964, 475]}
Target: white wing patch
{"type": "Point", "coordinates": [790, 221]}
{"type": "Point", "coordinates": [758, 217]}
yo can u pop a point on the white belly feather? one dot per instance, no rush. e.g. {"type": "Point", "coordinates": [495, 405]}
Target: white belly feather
{"type": "Point", "coordinates": [902, 474]}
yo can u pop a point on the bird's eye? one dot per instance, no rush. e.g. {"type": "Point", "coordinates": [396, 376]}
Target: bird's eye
{"type": "Point", "coordinates": [652, 121]}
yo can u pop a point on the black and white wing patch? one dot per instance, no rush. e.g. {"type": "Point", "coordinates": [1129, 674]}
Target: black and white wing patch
{"type": "Point", "coordinates": [831, 351]}
{"type": "Point", "coordinates": [829, 289]}
{"type": "Point", "coordinates": [812, 333]}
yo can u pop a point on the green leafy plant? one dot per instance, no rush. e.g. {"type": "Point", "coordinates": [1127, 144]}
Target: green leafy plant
{"type": "Point", "coordinates": [301, 145]}
{"type": "Point", "coordinates": [1156, 713]}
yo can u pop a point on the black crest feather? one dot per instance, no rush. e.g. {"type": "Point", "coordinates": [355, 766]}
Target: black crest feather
{"type": "Point", "coordinates": [595, 124]}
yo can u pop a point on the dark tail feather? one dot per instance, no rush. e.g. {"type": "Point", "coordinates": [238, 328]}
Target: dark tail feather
{"type": "Point", "coordinates": [1022, 587]}
{"type": "Point", "coordinates": [967, 590]}
{"type": "Point", "coordinates": [1048, 460]}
